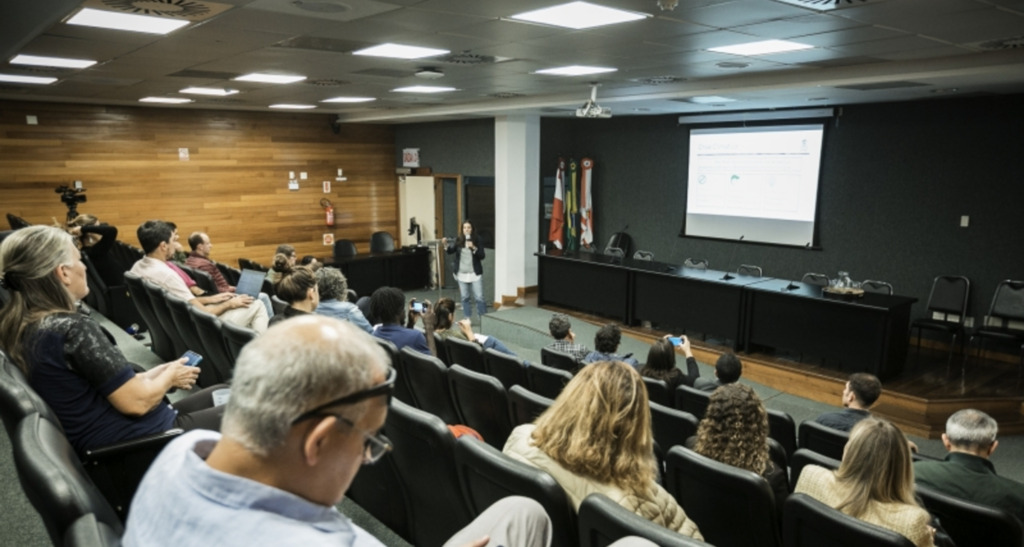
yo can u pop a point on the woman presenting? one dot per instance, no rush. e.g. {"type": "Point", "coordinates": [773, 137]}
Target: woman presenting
{"type": "Point", "coordinates": [469, 269]}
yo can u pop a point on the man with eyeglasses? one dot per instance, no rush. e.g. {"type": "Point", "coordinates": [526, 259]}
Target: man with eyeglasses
{"type": "Point", "coordinates": [308, 401]}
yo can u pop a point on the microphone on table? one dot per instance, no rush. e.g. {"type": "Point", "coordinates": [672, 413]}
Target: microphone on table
{"type": "Point", "coordinates": [728, 275]}
{"type": "Point", "coordinates": [793, 286]}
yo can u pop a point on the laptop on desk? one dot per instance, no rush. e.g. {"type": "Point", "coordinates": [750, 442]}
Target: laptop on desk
{"type": "Point", "coordinates": [250, 283]}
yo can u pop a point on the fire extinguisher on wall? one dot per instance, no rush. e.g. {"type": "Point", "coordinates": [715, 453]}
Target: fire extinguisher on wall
{"type": "Point", "coordinates": [328, 211]}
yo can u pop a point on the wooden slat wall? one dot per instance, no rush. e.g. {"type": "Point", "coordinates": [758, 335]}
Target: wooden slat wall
{"type": "Point", "coordinates": [234, 185]}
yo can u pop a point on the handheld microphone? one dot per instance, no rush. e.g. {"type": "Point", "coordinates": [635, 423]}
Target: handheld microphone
{"type": "Point", "coordinates": [792, 286]}
{"type": "Point", "coordinates": [728, 276]}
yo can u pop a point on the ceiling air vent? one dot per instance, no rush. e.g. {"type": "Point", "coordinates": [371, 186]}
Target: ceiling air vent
{"type": "Point", "coordinates": [192, 10]}
{"type": "Point", "coordinates": [467, 58]}
{"type": "Point", "coordinates": [1016, 42]}
{"type": "Point", "coordinates": [658, 80]}
{"type": "Point", "coordinates": [826, 5]}
{"type": "Point", "coordinates": [506, 95]}
{"type": "Point", "coordinates": [325, 83]}
{"type": "Point", "coordinates": [881, 85]}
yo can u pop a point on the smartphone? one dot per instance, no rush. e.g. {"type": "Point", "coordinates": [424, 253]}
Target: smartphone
{"type": "Point", "coordinates": [417, 307]}
{"type": "Point", "coordinates": [676, 341]}
{"type": "Point", "coordinates": [193, 358]}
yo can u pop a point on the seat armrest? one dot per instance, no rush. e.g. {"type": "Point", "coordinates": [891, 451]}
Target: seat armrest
{"type": "Point", "coordinates": [152, 442]}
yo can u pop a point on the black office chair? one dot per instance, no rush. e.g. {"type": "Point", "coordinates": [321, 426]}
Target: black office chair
{"type": "Point", "coordinates": [822, 439]}
{"type": "Point", "coordinates": [525, 405]}
{"type": "Point", "coordinates": [807, 522]}
{"type": "Point", "coordinates": [803, 457]}
{"type": "Point", "coordinates": [428, 381]}
{"type": "Point", "coordinates": [486, 476]}
{"type": "Point", "coordinates": [161, 341]}
{"type": "Point", "coordinates": [441, 345]}
{"type": "Point", "coordinates": [749, 270]}
{"type": "Point", "coordinates": [236, 337]}
{"type": "Point", "coordinates": [816, 279]}
{"type": "Point", "coordinates": [158, 299]}
{"type": "Point", "coordinates": [692, 400]}
{"type": "Point", "coordinates": [424, 456]}
{"type": "Point", "coordinates": [948, 299]}
{"type": "Point", "coordinates": [403, 388]}
{"type": "Point", "coordinates": [671, 427]}
{"type": "Point", "coordinates": [615, 251]}
{"type": "Point", "coordinates": [90, 531]}
{"type": "Point", "coordinates": [508, 369]}
{"type": "Point", "coordinates": [644, 255]}
{"type": "Point", "coordinates": [875, 286]}
{"type": "Point", "coordinates": [17, 222]}
{"type": "Point", "coordinates": [559, 360]}
{"type": "Point", "coordinates": [54, 480]}
{"type": "Point", "coordinates": [657, 391]}
{"type": "Point", "coordinates": [231, 275]}
{"type": "Point", "coordinates": [482, 403]}
{"type": "Point", "coordinates": [696, 263]}
{"type": "Point", "coordinates": [717, 496]}
{"type": "Point", "coordinates": [1007, 308]}
{"type": "Point", "coordinates": [382, 242]}
{"type": "Point", "coordinates": [782, 428]}
{"type": "Point", "coordinates": [466, 353]}
{"type": "Point", "coordinates": [602, 522]}
{"type": "Point", "coordinates": [344, 248]}
{"type": "Point", "coordinates": [187, 328]}
{"type": "Point", "coordinates": [970, 524]}
{"type": "Point", "coordinates": [215, 349]}
{"type": "Point", "coordinates": [546, 381]}
{"type": "Point", "coordinates": [202, 279]}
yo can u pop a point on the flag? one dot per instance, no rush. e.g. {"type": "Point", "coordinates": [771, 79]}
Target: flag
{"type": "Point", "coordinates": [586, 205]}
{"type": "Point", "coordinates": [572, 209]}
{"type": "Point", "coordinates": [556, 230]}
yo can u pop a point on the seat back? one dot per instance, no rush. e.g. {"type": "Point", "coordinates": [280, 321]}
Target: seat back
{"type": "Point", "coordinates": [671, 427]}
{"type": "Point", "coordinates": [344, 248]}
{"type": "Point", "coordinates": [559, 359]}
{"type": "Point", "coordinates": [161, 341]}
{"type": "Point", "coordinates": [803, 457]}
{"type": "Point", "coordinates": [466, 353]}
{"type": "Point", "coordinates": [602, 522]}
{"type": "Point", "coordinates": [424, 456]}
{"type": "Point", "coordinates": [88, 531]}
{"type": "Point", "coordinates": [17, 398]}
{"type": "Point", "coordinates": [208, 370]}
{"type": "Point", "coordinates": [158, 298]}
{"type": "Point", "coordinates": [546, 381]}
{"type": "Point", "coordinates": [718, 496]}
{"type": "Point", "coordinates": [441, 345]}
{"type": "Point", "coordinates": [949, 297]}
{"type": "Point", "coordinates": [782, 428]}
{"type": "Point", "coordinates": [378, 489]}
{"type": "Point", "coordinates": [643, 255]}
{"type": "Point", "coordinates": [486, 476]}
{"type": "Point", "coordinates": [236, 337]}
{"type": "Point", "coordinates": [817, 279]}
{"type": "Point", "coordinates": [822, 439]}
{"type": "Point", "coordinates": [1008, 302]}
{"type": "Point", "coordinates": [807, 522]}
{"type": "Point", "coordinates": [55, 481]}
{"type": "Point", "coordinates": [614, 251]}
{"type": "Point", "coordinates": [970, 524]}
{"type": "Point", "coordinates": [246, 264]}
{"type": "Point", "coordinates": [215, 349]}
{"type": "Point", "coordinates": [749, 270]}
{"type": "Point", "coordinates": [202, 279]}
{"type": "Point", "coordinates": [17, 222]}
{"type": "Point", "coordinates": [875, 286]}
{"type": "Point", "coordinates": [428, 382]}
{"type": "Point", "coordinates": [508, 369]}
{"type": "Point", "coordinates": [698, 263]}
{"type": "Point", "coordinates": [657, 391]}
{"type": "Point", "coordinates": [482, 404]}
{"type": "Point", "coordinates": [692, 400]}
{"type": "Point", "coordinates": [278, 304]}
{"type": "Point", "coordinates": [403, 389]}
{"type": "Point", "coordinates": [525, 405]}
{"type": "Point", "coordinates": [382, 242]}
{"type": "Point", "coordinates": [231, 275]}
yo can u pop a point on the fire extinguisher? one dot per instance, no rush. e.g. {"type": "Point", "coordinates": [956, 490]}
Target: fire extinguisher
{"type": "Point", "coordinates": [328, 211]}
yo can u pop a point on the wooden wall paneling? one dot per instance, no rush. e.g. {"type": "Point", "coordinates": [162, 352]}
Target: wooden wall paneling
{"type": "Point", "coordinates": [233, 185]}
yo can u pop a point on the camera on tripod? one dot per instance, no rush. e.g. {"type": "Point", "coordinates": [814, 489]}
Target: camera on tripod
{"type": "Point", "coordinates": [71, 197]}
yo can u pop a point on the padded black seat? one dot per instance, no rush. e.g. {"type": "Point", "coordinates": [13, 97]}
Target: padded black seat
{"type": "Point", "coordinates": [671, 427]}
{"type": "Point", "coordinates": [482, 404]}
{"type": "Point", "coordinates": [54, 480]}
{"type": "Point", "coordinates": [17, 399]}
{"type": "Point", "coordinates": [236, 337]}
{"type": "Point", "coordinates": [602, 522]}
{"type": "Point", "coordinates": [403, 390]}
{"type": "Point", "coordinates": [466, 353]}
{"type": "Point", "coordinates": [823, 440]}
{"type": "Point", "coordinates": [246, 264]}
{"type": "Point", "coordinates": [158, 299]}
{"type": "Point", "coordinates": [231, 275]}
{"type": "Point", "coordinates": [692, 400]}
{"type": "Point", "coordinates": [1005, 315]}
{"type": "Point", "coordinates": [162, 344]}
{"type": "Point", "coordinates": [718, 497]}
{"type": "Point", "coordinates": [970, 524]}
{"type": "Point", "coordinates": [804, 457]}
{"type": "Point", "coordinates": [208, 370]}
{"type": "Point", "coordinates": [545, 380]}
{"type": "Point", "coordinates": [809, 523]}
{"type": "Point", "coordinates": [657, 391]}
{"type": "Point", "coordinates": [559, 359]}
{"type": "Point", "coordinates": [202, 279]}
{"type": "Point", "coordinates": [508, 369]}
{"type": "Point", "coordinates": [424, 456]}
{"type": "Point", "coordinates": [948, 300]}
{"type": "Point", "coordinates": [441, 346]}
{"type": "Point", "coordinates": [216, 351]}
{"type": "Point", "coordinates": [344, 248]}
{"type": "Point", "coordinates": [89, 531]}
{"type": "Point", "coordinates": [525, 405]}
{"type": "Point", "coordinates": [382, 242]}
{"type": "Point", "coordinates": [486, 476]}
{"type": "Point", "coordinates": [428, 382]}
{"type": "Point", "coordinates": [782, 428]}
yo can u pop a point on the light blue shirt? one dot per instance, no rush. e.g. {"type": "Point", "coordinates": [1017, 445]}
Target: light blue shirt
{"type": "Point", "coordinates": [346, 311]}
{"type": "Point", "coordinates": [182, 501]}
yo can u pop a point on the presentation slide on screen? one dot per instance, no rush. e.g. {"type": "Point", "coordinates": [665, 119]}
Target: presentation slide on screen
{"type": "Point", "coordinates": [757, 182]}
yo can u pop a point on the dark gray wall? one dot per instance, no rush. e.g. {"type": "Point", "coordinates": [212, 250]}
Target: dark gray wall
{"type": "Point", "coordinates": [462, 147]}
{"type": "Point", "coordinates": [895, 180]}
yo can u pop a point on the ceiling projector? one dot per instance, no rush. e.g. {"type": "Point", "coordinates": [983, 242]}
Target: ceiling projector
{"type": "Point", "coordinates": [591, 109]}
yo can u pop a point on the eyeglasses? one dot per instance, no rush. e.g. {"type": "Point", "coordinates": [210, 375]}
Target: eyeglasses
{"type": "Point", "coordinates": [375, 445]}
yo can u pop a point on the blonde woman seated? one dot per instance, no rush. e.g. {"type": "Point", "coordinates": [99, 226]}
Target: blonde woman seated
{"type": "Point", "coordinates": [596, 437]}
{"type": "Point", "coordinates": [297, 286]}
{"type": "Point", "coordinates": [874, 483]}
{"type": "Point", "coordinates": [734, 431]}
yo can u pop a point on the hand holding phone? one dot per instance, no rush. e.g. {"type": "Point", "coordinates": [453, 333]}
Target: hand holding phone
{"type": "Point", "coordinates": [416, 307]}
{"type": "Point", "coordinates": [193, 358]}
{"type": "Point", "coordinates": [676, 341]}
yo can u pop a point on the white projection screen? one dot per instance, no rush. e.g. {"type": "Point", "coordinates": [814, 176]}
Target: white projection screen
{"type": "Point", "coordinates": [758, 184]}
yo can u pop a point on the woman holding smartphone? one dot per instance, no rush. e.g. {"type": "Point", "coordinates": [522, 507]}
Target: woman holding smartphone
{"type": "Point", "coordinates": [469, 270]}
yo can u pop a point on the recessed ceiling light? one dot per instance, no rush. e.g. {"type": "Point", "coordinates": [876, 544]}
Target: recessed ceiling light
{"type": "Point", "coordinates": [270, 78]}
{"type": "Point", "coordinates": [38, 60]}
{"type": "Point", "coordinates": [576, 70]}
{"type": "Point", "coordinates": [293, 106]}
{"type": "Point", "coordinates": [89, 17]}
{"type": "Point", "coordinates": [217, 91]}
{"type": "Point", "coordinates": [349, 100]}
{"type": "Point", "coordinates": [765, 47]}
{"type": "Point", "coordinates": [579, 15]}
{"type": "Point", "coordinates": [423, 89]}
{"type": "Point", "coordinates": [711, 99]}
{"type": "Point", "coordinates": [165, 100]}
{"type": "Point", "coordinates": [18, 79]}
{"type": "Point", "coordinates": [399, 51]}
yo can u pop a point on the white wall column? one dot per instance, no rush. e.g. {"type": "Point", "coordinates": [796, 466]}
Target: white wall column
{"type": "Point", "coordinates": [516, 203]}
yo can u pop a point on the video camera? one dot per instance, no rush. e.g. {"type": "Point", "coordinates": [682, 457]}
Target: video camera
{"type": "Point", "coordinates": [71, 197]}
